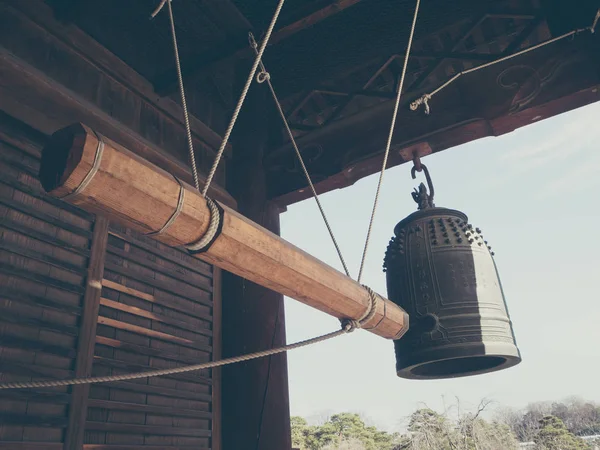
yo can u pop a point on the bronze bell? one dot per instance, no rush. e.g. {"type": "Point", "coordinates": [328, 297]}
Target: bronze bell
{"type": "Point", "coordinates": [441, 271]}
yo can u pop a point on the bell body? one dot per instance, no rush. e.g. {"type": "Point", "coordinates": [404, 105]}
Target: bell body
{"type": "Point", "coordinates": [441, 271]}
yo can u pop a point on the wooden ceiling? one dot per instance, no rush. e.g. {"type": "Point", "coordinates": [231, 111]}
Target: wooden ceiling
{"type": "Point", "coordinates": [335, 65]}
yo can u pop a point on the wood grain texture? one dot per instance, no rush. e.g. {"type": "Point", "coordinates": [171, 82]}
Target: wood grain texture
{"type": "Point", "coordinates": [30, 446]}
{"type": "Point", "coordinates": [152, 334]}
{"type": "Point", "coordinates": [94, 73]}
{"type": "Point", "coordinates": [150, 318]}
{"type": "Point", "coordinates": [217, 395]}
{"type": "Point", "coordinates": [150, 315]}
{"type": "Point", "coordinates": [157, 300]}
{"type": "Point", "coordinates": [143, 197]}
{"type": "Point", "coordinates": [182, 306]}
{"type": "Point", "coordinates": [31, 95]}
{"type": "Point", "coordinates": [44, 252]}
{"type": "Point", "coordinates": [87, 335]}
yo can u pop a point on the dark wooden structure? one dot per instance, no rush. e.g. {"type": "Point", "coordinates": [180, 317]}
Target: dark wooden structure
{"type": "Point", "coordinates": [106, 64]}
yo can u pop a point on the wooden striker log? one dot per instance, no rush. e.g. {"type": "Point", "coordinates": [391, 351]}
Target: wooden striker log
{"type": "Point", "coordinates": [133, 192]}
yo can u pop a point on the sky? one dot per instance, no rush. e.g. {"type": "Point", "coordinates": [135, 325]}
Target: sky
{"type": "Point", "coordinates": [534, 193]}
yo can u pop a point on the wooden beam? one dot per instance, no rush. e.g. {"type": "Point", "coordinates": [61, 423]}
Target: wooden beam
{"type": "Point", "coordinates": [474, 24]}
{"type": "Point", "coordinates": [38, 14]}
{"type": "Point", "coordinates": [166, 83]}
{"type": "Point", "coordinates": [140, 196]}
{"type": "Point", "coordinates": [52, 92]}
{"type": "Point", "coordinates": [87, 336]}
{"type": "Point", "coordinates": [30, 95]}
{"type": "Point", "coordinates": [524, 35]}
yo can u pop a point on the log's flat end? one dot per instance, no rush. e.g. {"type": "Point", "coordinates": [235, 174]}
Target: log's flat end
{"type": "Point", "coordinates": [405, 328]}
{"type": "Point", "coordinates": [61, 155]}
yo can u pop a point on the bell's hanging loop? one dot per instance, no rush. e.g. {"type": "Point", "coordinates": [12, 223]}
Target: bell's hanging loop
{"type": "Point", "coordinates": [421, 196]}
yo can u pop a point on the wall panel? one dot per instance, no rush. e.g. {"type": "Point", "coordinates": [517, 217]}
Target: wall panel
{"type": "Point", "coordinates": [155, 310]}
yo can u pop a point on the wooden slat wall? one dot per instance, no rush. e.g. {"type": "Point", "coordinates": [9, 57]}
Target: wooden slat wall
{"type": "Point", "coordinates": [155, 311]}
{"type": "Point", "coordinates": [44, 250]}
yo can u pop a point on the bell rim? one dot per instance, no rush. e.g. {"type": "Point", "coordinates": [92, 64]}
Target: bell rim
{"type": "Point", "coordinates": [509, 353]}
{"type": "Point", "coordinates": [424, 213]}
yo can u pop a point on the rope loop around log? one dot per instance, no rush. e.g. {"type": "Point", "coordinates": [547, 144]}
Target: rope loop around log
{"type": "Point", "coordinates": [213, 231]}
{"type": "Point", "coordinates": [93, 170]}
{"type": "Point", "coordinates": [175, 214]}
{"type": "Point", "coordinates": [349, 325]}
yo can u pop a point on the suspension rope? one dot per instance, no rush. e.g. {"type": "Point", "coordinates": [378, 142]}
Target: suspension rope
{"type": "Point", "coordinates": [186, 115]}
{"type": "Point", "coordinates": [264, 76]}
{"type": "Point", "coordinates": [424, 99]}
{"type": "Point", "coordinates": [389, 141]}
{"type": "Point", "coordinates": [240, 102]}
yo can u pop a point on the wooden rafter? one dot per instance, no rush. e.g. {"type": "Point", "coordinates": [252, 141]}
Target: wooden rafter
{"type": "Point", "coordinates": [524, 34]}
{"type": "Point", "coordinates": [167, 82]}
{"type": "Point", "coordinates": [441, 57]}
{"type": "Point", "coordinates": [425, 75]}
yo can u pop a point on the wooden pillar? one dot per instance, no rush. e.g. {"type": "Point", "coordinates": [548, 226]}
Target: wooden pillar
{"type": "Point", "coordinates": [87, 336]}
{"type": "Point", "coordinates": [255, 409]}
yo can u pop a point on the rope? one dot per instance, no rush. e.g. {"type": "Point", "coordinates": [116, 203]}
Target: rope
{"type": "Point", "coordinates": [93, 170]}
{"type": "Point", "coordinates": [158, 9]}
{"type": "Point", "coordinates": [240, 102]}
{"type": "Point", "coordinates": [596, 19]}
{"type": "Point", "coordinates": [211, 232]}
{"type": "Point", "coordinates": [176, 370]}
{"type": "Point", "coordinates": [186, 116]}
{"type": "Point", "coordinates": [264, 76]}
{"type": "Point", "coordinates": [348, 326]}
{"type": "Point", "coordinates": [389, 141]}
{"type": "Point", "coordinates": [175, 214]}
{"type": "Point", "coordinates": [423, 100]}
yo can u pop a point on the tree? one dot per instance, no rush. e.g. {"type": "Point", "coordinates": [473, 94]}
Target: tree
{"type": "Point", "coordinates": [554, 435]}
{"type": "Point", "coordinates": [579, 417]}
{"type": "Point", "coordinates": [343, 431]}
{"type": "Point", "coordinates": [299, 431]}
{"type": "Point", "coordinates": [493, 436]}
{"type": "Point", "coordinates": [429, 430]}
{"type": "Point", "coordinates": [478, 434]}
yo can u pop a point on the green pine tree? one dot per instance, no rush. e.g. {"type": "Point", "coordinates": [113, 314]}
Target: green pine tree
{"type": "Point", "coordinates": [553, 435]}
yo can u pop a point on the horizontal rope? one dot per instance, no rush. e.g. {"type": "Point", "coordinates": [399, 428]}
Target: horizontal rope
{"type": "Point", "coordinates": [162, 372]}
{"type": "Point", "coordinates": [348, 326]}
{"type": "Point", "coordinates": [424, 99]}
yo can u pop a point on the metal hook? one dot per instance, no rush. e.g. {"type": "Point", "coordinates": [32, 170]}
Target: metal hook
{"type": "Point", "coordinates": [252, 41]}
{"type": "Point", "coordinates": [417, 162]}
{"type": "Point", "coordinates": [423, 168]}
